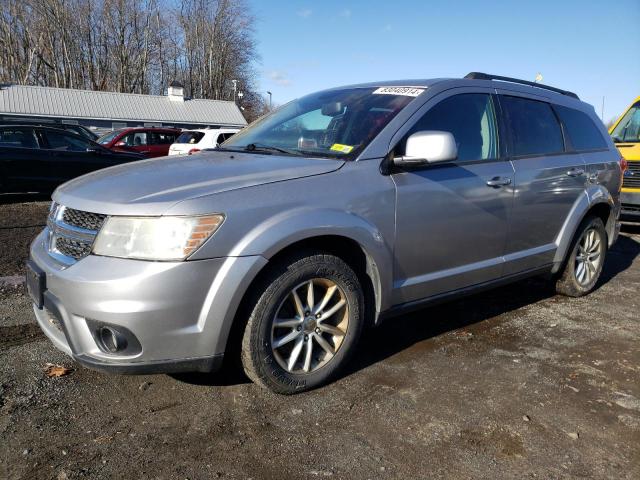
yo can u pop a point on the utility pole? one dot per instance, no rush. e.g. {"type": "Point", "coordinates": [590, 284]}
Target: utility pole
{"type": "Point", "coordinates": [235, 87]}
{"type": "Point", "coordinates": [602, 111]}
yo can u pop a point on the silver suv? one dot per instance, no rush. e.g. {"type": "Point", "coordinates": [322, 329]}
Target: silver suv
{"type": "Point", "coordinates": [338, 210]}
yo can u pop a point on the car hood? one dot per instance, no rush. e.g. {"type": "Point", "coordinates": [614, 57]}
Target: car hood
{"type": "Point", "coordinates": [151, 187]}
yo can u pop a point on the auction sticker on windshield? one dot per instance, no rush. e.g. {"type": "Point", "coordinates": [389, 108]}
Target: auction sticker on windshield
{"type": "Point", "coordinates": [338, 147]}
{"type": "Point", "coordinates": [407, 91]}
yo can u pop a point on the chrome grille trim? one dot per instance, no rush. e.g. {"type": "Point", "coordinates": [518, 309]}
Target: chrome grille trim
{"type": "Point", "coordinates": [68, 239]}
{"type": "Point", "coordinates": [631, 177]}
{"type": "Point", "coordinates": [83, 220]}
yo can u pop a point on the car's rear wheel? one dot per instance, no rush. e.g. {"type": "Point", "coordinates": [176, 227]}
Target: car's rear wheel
{"type": "Point", "coordinates": [304, 325]}
{"type": "Point", "coordinates": [585, 260]}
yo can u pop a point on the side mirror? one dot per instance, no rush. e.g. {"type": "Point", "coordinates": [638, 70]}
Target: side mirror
{"type": "Point", "coordinates": [120, 144]}
{"type": "Point", "coordinates": [430, 146]}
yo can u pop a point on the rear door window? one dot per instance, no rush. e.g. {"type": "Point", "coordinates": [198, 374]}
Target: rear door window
{"type": "Point", "coordinates": [582, 132]}
{"type": "Point", "coordinates": [190, 138]}
{"type": "Point", "coordinates": [18, 137]}
{"type": "Point", "coordinates": [65, 142]}
{"type": "Point", "coordinates": [535, 130]}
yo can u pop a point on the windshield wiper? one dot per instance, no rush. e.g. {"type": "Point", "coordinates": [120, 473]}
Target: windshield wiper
{"type": "Point", "coordinates": [252, 147]}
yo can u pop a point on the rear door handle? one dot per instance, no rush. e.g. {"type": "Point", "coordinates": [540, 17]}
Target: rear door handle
{"type": "Point", "coordinates": [497, 182]}
{"type": "Point", "coordinates": [575, 172]}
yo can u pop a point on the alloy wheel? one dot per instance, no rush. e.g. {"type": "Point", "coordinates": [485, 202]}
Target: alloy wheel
{"type": "Point", "coordinates": [309, 326]}
{"type": "Point", "coordinates": [588, 256]}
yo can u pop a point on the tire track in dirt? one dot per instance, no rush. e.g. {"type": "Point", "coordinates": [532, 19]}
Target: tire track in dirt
{"type": "Point", "coordinates": [15, 335]}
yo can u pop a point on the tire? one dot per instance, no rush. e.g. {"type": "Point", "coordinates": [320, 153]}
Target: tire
{"type": "Point", "coordinates": [292, 356]}
{"type": "Point", "coordinates": [588, 248]}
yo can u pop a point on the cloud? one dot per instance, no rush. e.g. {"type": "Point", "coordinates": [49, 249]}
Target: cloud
{"type": "Point", "coordinates": [346, 13]}
{"type": "Point", "coordinates": [279, 77]}
{"type": "Point", "coordinates": [305, 13]}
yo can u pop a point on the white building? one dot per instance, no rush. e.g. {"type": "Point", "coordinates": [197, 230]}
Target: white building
{"type": "Point", "coordinates": [103, 111]}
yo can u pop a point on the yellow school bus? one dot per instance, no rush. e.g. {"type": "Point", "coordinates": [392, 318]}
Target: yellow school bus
{"type": "Point", "coordinates": [626, 135]}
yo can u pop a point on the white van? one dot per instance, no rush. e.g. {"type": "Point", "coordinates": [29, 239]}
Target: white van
{"type": "Point", "coordinates": [192, 141]}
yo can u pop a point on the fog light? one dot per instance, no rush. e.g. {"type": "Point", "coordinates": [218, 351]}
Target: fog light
{"type": "Point", "coordinates": [111, 340]}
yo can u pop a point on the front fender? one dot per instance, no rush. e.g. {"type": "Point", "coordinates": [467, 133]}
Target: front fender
{"type": "Point", "coordinates": [282, 230]}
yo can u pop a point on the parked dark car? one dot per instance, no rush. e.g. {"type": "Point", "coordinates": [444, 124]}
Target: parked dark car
{"type": "Point", "coordinates": [38, 159]}
{"type": "Point", "coordinates": [78, 129]}
{"type": "Point", "coordinates": [149, 141]}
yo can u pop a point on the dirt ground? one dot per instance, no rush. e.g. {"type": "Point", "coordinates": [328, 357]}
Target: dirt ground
{"type": "Point", "coordinates": [511, 383]}
{"type": "Point", "coordinates": [20, 222]}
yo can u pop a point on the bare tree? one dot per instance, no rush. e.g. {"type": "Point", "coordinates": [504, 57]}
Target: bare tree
{"type": "Point", "coordinates": [136, 46]}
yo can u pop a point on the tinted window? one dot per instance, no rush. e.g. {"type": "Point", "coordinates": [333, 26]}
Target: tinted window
{"type": "Point", "coordinates": [471, 120]}
{"type": "Point", "coordinates": [628, 129]}
{"type": "Point", "coordinates": [534, 127]}
{"type": "Point", "coordinates": [67, 143]}
{"type": "Point", "coordinates": [583, 133]}
{"type": "Point", "coordinates": [190, 137]}
{"type": "Point", "coordinates": [161, 138]}
{"type": "Point", "coordinates": [225, 136]}
{"type": "Point", "coordinates": [24, 138]}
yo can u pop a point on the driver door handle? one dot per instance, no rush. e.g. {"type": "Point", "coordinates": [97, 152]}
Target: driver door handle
{"type": "Point", "coordinates": [497, 182]}
{"type": "Point", "coordinates": [575, 172]}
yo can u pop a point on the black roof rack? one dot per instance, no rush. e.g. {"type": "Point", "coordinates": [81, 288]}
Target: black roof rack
{"type": "Point", "coordinates": [486, 76]}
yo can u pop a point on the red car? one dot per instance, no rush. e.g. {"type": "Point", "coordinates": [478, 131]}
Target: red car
{"type": "Point", "coordinates": [149, 141]}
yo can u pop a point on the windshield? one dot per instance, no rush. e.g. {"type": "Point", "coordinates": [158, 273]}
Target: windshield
{"type": "Point", "coordinates": [103, 140]}
{"type": "Point", "coordinates": [628, 129]}
{"type": "Point", "coordinates": [334, 123]}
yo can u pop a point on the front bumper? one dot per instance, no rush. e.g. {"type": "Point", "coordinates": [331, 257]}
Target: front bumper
{"type": "Point", "coordinates": [630, 206]}
{"type": "Point", "coordinates": [175, 315]}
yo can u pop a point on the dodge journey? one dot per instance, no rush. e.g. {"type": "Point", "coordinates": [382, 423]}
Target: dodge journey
{"type": "Point", "coordinates": [336, 211]}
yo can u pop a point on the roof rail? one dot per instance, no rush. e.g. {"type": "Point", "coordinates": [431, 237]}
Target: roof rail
{"type": "Point", "coordinates": [486, 76]}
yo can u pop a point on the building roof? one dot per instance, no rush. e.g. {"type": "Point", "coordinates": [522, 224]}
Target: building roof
{"type": "Point", "coordinates": [69, 103]}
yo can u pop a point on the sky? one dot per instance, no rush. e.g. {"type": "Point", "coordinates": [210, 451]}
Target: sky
{"type": "Point", "coordinates": [591, 47]}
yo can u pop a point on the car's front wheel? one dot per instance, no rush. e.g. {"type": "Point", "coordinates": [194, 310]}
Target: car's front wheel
{"type": "Point", "coordinates": [585, 261]}
{"type": "Point", "coordinates": [304, 325]}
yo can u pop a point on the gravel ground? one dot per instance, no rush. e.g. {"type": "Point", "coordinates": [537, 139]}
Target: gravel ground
{"type": "Point", "coordinates": [512, 383]}
{"type": "Point", "coordinates": [20, 222]}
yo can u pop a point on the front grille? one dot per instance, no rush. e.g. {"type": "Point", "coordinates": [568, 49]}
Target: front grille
{"type": "Point", "coordinates": [71, 233]}
{"type": "Point", "coordinates": [72, 248]}
{"type": "Point", "coordinates": [632, 175]}
{"type": "Point", "coordinates": [86, 220]}
{"type": "Point", "coordinates": [630, 207]}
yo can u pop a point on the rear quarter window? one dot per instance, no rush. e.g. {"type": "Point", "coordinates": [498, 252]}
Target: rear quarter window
{"type": "Point", "coordinates": [162, 138]}
{"type": "Point", "coordinates": [190, 138]}
{"type": "Point", "coordinates": [223, 137]}
{"type": "Point", "coordinates": [535, 130]}
{"type": "Point", "coordinates": [582, 131]}
{"type": "Point", "coordinates": [22, 138]}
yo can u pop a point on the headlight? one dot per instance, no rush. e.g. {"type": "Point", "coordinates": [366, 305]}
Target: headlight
{"type": "Point", "coordinates": [154, 238]}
